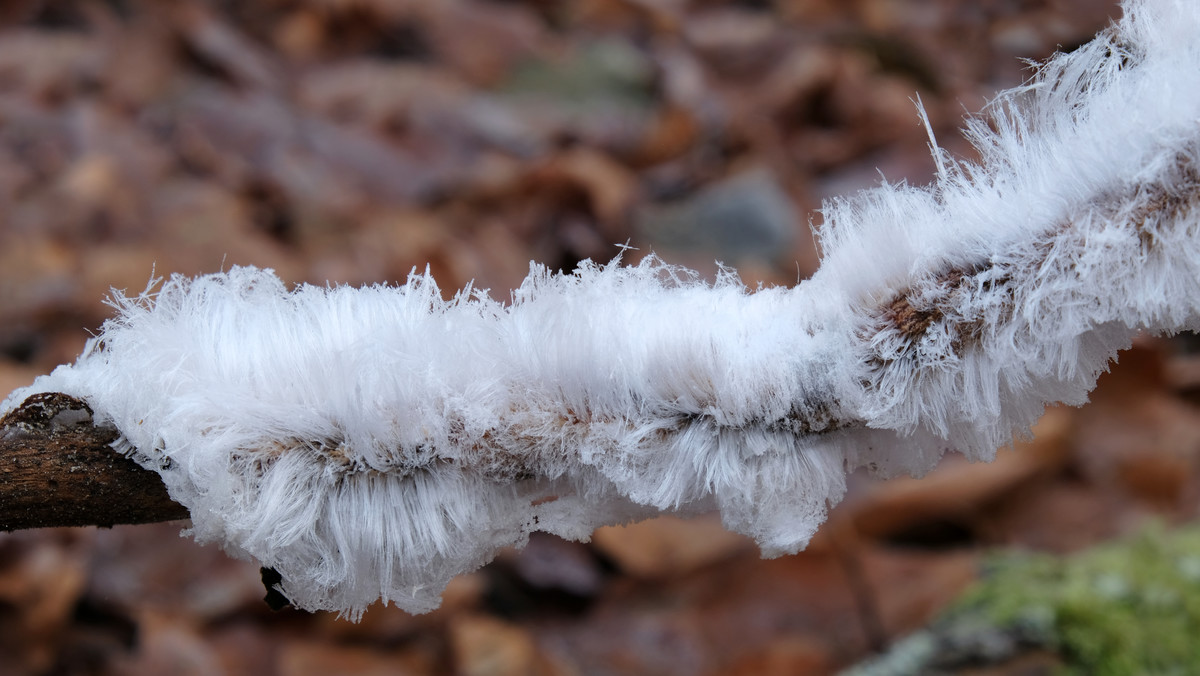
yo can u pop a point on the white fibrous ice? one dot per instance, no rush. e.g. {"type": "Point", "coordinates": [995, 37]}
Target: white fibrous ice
{"type": "Point", "coordinates": [373, 443]}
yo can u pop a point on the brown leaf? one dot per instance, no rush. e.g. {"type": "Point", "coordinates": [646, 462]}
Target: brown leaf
{"type": "Point", "coordinates": [42, 574]}
{"type": "Point", "coordinates": [957, 490]}
{"type": "Point", "coordinates": [666, 546]}
{"type": "Point", "coordinates": [485, 646]}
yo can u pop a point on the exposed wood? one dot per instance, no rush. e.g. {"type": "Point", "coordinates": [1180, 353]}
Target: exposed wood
{"type": "Point", "coordinates": [59, 469]}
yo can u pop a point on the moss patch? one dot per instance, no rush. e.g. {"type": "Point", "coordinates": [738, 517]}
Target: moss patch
{"type": "Point", "coordinates": [1129, 607]}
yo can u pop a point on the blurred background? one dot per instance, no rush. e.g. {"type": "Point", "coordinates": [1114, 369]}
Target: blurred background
{"type": "Point", "coordinates": [351, 141]}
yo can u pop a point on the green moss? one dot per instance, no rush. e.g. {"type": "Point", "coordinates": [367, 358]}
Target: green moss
{"type": "Point", "coordinates": [1126, 608]}
{"type": "Point", "coordinates": [1131, 607]}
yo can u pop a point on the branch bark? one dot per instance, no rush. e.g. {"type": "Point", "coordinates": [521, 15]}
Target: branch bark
{"type": "Point", "coordinates": [57, 468]}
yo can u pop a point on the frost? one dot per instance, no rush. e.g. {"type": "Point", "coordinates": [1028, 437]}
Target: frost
{"type": "Point", "coordinates": [373, 443]}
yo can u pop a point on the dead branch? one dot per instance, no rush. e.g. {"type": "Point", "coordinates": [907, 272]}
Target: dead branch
{"type": "Point", "coordinates": [57, 468]}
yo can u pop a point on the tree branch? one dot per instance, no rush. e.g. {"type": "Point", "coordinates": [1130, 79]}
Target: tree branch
{"type": "Point", "coordinates": [57, 468]}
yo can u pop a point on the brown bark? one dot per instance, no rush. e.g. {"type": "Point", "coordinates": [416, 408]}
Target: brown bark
{"type": "Point", "coordinates": [57, 468]}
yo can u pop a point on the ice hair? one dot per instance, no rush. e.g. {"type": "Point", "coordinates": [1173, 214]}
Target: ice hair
{"type": "Point", "coordinates": [373, 443]}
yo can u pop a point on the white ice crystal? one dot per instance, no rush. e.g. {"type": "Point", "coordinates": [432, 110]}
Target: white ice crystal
{"type": "Point", "coordinates": [373, 443]}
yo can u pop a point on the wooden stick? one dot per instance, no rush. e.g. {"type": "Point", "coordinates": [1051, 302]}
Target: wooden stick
{"type": "Point", "coordinates": [57, 468]}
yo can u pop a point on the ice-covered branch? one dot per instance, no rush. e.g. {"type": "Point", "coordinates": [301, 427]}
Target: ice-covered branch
{"type": "Point", "coordinates": [375, 442]}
